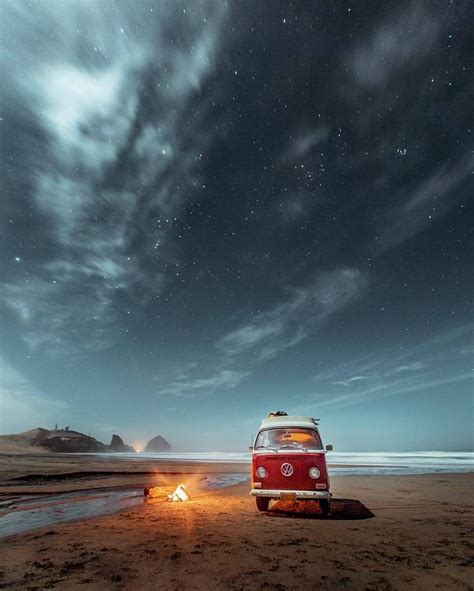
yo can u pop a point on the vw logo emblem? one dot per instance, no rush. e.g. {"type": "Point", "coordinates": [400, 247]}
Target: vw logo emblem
{"type": "Point", "coordinates": [286, 469]}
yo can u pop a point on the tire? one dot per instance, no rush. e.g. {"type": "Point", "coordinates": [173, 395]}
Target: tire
{"type": "Point", "coordinates": [262, 503]}
{"type": "Point", "coordinates": [325, 506]}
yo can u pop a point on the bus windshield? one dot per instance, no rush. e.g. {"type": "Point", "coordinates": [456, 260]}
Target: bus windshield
{"type": "Point", "coordinates": [289, 438]}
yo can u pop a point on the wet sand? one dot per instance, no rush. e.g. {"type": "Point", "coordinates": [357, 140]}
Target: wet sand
{"type": "Point", "coordinates": [76, 467]}
{"type": "Point", "coordinates": [386, 532]}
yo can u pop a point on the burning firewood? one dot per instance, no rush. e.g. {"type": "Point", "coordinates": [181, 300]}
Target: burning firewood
{"type": "Point", "coordinates": [153, 492]}
{"type": "Point", "coordinates": [180, 494]}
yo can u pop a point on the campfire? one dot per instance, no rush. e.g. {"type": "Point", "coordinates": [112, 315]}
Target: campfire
{"type": "Point", "coordinates": [180, 494]}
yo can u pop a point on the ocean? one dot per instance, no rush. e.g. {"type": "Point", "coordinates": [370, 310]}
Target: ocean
{"type": "Point", "coordinates": [340, 463]}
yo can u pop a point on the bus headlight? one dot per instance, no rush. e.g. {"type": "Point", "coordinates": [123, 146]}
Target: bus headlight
{"type": "Point", "coordinates": [314, 473]}
{"type": "Point", "coordinates": [261, 472]}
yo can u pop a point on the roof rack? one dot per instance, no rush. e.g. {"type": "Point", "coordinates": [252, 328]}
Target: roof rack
{"type": "Point", "coordinates": [277, 413]}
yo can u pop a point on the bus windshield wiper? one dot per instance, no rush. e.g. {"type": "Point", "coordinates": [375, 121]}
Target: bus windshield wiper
{"type": "Point", "coordinates": [267, 447]}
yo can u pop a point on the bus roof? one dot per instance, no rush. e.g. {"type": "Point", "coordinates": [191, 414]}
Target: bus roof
{"type": "Point", "coordinates": [289, 421]}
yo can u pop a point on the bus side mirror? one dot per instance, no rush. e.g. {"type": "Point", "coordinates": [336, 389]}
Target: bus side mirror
{"type": "Point", "coordinates": [329, 448]}
{"type": "Point", "coordinates": [250, 449]}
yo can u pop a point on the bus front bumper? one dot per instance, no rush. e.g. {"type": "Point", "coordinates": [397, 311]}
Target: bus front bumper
{"type": "Point", "coordinates": [291, 495]}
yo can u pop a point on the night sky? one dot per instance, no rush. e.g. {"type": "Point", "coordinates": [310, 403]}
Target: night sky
{"type": "Point", "coordinates": [210, 210]}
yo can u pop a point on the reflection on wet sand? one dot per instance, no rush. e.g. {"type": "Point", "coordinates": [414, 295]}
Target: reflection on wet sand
{"type": "Point", "coordinates": [29, 513]}
{"type": "Point", "coordinates": [343, 509]}
{"type": "Point", "coordinates": [23, 513]}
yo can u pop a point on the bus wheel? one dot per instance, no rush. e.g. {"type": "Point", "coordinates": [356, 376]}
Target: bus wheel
{"type": "Point", "coordinates": [325, 506]}
{"type": "Point", "coordinates": [262, 503]}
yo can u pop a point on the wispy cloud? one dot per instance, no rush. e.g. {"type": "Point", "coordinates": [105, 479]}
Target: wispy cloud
{"type": "Point", "coordinates": [303, 142]}
{"type": "Point", "coordinates": [268, 334]}
{"type": "Point", "coordinates": [410, 193]}
{"type": "Point", "coordinates": [397, 373]}
{"type": "Point", "coordinates": [22, 405]}
{"type": "Point", "coordinates": [415, 366]}
{"type": "Point", "coordinates": [456, 334]}
{"type": "Point", "coordinates": [426, 203]}
{"type": "Point", "coordinates": [378, 373]}
{"type": "Point", "coordinates": [383, 388]}
{"type": "Point", "coordinates": [352, 380]}
{"type": "Point", "coordinates": [120, 104]}
{"type": "Point", "coordinates": [290, 322]}
{"type": "Point", "coordinates": [223, 379]}
{"type": "Point", "coordinates": [396, 42]}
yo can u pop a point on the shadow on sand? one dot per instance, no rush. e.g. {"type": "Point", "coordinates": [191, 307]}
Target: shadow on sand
{"type": "Point", "coordinates": [341, 509]}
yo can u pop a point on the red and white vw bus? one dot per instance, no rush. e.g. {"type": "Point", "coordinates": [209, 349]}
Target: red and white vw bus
{"type": "Point", "coordinates": [289, 462]}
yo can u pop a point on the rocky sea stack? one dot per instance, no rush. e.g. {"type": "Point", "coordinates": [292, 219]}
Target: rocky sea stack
{"type": "Point", "coordinates": [117, 445]}
{"type": "Point", "coordinates": [158, 443]}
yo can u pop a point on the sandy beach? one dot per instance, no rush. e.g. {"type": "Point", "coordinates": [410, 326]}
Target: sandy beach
{"type": "Point", "coordinates": [385, 532]}
{"type": "Point", "coordinates": [235, 261]}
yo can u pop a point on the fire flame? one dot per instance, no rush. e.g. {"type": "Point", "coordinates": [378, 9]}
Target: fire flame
{"type": "Point", "coordinates": [180, 494]}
